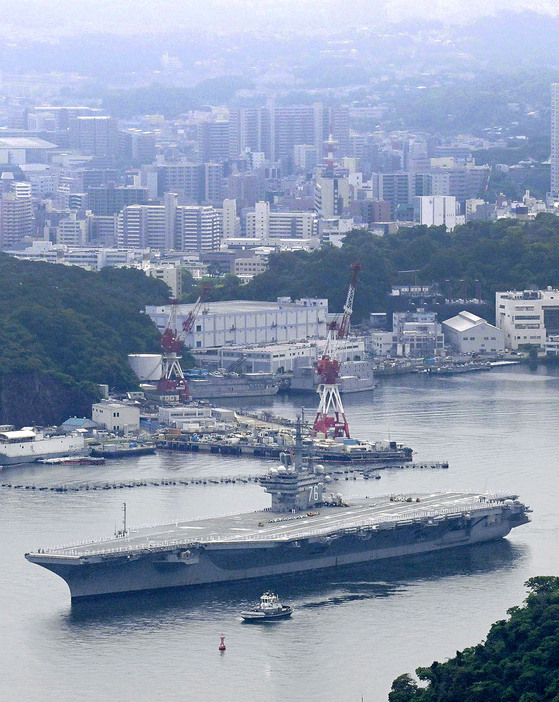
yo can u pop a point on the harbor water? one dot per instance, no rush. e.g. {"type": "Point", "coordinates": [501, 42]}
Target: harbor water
{"type": "Point", "coordinates": [353, 630]}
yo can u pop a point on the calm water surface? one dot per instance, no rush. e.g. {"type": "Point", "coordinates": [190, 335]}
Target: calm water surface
{"type": "Point", "coordinates": [354, 630]}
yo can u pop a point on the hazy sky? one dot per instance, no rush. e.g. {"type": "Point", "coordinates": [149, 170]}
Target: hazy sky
{"type": "Point", "coordinates": [61, 17]}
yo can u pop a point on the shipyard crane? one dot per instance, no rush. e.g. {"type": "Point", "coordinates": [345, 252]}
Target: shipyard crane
{"type": "Point", "coordinates": [330, 417]}
{"type": "Point", "coordinates": [172, 377]}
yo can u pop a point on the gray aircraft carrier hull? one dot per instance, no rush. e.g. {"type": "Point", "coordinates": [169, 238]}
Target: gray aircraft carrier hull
{"type": "Point", "coordinates": [125, 566]}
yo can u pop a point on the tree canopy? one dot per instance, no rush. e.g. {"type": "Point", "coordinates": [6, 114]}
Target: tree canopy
{"type": "Point", "coordinates": [519, 661]}
{"type": "Point", "coordinates": [502, 255]}
{"type": "Point", "coordinates": [72, 326]}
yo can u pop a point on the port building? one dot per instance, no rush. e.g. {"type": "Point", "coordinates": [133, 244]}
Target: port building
{"type": "Point", "coordinates": [528, 317]}
{"type": "Point", "coordinates": [116, 416]}
{"type": "Point", "coordinates": [468, 334]}
{"type": "Point", "coordinates": [246, 322]}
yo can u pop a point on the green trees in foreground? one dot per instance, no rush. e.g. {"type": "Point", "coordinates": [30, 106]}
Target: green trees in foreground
{"type": "Point", "coordinates": [518, 662]}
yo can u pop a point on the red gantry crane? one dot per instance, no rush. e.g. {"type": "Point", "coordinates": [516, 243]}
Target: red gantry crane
{"type": "Point", "coordinates": [172, 377]}
{"type": "Point", "coordinates": [330, 418]}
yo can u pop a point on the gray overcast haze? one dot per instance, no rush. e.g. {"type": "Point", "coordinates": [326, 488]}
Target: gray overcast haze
{"type": "Point", "coordinates": [52, 18]}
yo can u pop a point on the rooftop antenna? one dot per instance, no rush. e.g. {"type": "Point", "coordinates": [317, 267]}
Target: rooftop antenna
{"type": "Point", "coordinates": [124, 531]}
{"type": "Point", "coordinates": [298, 453]}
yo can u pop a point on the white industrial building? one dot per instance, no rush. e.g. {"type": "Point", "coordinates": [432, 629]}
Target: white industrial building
{"type": "Point", "coordinates": [528, 317]}
{"type": "Point", "coordinates": [469, 334]}
{"type": "Point", "coordinates": [414, 335]}
{"type": "Point", "coordinates": [114, 416]}
{"type": "Point", "coordinates": [435, 210]}
{"type": "Point", "coordinates": [276, 358]}
{"type": "Point", "coordinates": [243, 322]}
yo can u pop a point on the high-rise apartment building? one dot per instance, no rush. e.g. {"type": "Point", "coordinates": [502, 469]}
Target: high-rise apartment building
{"type": "Point", "coordinates": [71, 231]}
{"type": "Point", "coordinates": [213, 183]}
{"type": "Point", "coordinates": [170, 226]}
{"type": "Point", "coordinates": [97, 136]}
{"type": "Point", "coordinates": [187, 179]}
{"type": "Point", "coordinates": [110, 199]}
{"type": "Point", "coordinates": [276, 130]}
{"type": "Point", "coordinates": [213, 141]}
{"type": "Point", "coordinates": [197, 229]}
{"type": "Point", "coordinates": [16, 215]}
{"type": "Point", "coordinates": [266, 225]}
{"type": "Point", "coordinates": [137, 146]}
{"type": "Point", "coordinates": [230, 221]}
{"type": "Point", "coordinates": [141, 226]}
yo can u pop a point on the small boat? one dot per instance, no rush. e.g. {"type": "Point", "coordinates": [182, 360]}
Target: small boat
{"type": "Point", "coordinates": [73, 460]}
{"type": "Point", "coordinates": [270, 608]}
{"type": "Point", "coordinates": [122, 449]}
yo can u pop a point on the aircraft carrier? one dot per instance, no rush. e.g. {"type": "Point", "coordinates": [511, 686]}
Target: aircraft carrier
{"type": "Point", "coordinates": [305, 529]}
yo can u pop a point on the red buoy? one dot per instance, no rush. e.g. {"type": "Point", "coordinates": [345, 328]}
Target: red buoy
{"type": "Point", "coordinates": [222, 644]}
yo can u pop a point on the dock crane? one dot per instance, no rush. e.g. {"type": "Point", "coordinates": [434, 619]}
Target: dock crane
{"type": "Point", "coordinates": [330, 417]}
{"type": "Point", "coordinates": [172, 381]}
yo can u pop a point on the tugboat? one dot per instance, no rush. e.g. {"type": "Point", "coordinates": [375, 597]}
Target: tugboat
{"type": "Point", "coordinates": [270, 608]}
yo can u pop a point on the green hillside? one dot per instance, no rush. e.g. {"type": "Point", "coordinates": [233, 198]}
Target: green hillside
{"type": "Point", "coordinates": [519, 661]}
{"type": "Point", "coordinates": [502, 255]}
{"type": "Point", "coordinates": [63, 330]}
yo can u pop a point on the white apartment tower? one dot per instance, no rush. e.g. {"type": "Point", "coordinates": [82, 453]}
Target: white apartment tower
{"type": "Point", "coordinates": [71, 231]}
{"type": "Point", "coordinates": [230, 221]}
{"type": "Point", "coordinates": [16, 215]}
{"type": "Point", "coordinates": [197, 229]}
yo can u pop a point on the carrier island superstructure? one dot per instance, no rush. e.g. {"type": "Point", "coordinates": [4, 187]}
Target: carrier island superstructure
{"type": "Point", "coordinates": [305, 529]}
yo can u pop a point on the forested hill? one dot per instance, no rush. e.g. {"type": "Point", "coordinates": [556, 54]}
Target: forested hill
{"type": "Point", "coordinates": [63, 330]}
{"type": "Point", "coordinates": [503, 255]}
{"type": "Point", "coordinates": [519, 661]}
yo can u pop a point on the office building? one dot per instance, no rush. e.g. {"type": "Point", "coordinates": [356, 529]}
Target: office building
{"type": "Point", "coordinates": [528, 317]}
{"type": "Point", "coordinates": [435, 210]}
{"type": "Point", "coordinates": [331, 196]}
{"type": "Point", "coordinates": [393, 188]}
{"type": "Point", "coordinates": [275, 131]}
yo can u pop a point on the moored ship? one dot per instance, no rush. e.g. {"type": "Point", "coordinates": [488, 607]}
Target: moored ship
{"type": "Point", "coordinates": [304, 530]}
{"type": "Point", "coordinates": [29, 445]}
{"type": "Point", "coordinates": [215, 385]}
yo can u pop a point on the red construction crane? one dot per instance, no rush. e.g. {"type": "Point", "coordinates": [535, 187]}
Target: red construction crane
{"type": "Point", "coordinates": [330, 417]}
{"type": "Point", "coordinates": [172, 377]}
